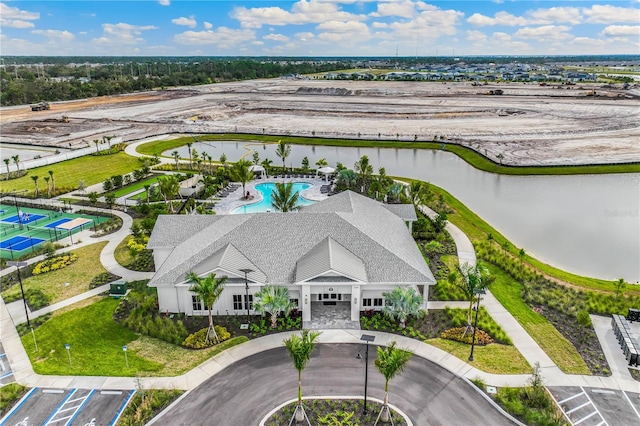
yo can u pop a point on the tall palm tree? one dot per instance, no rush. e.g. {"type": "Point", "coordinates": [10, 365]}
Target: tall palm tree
{"type": "Point", "coordinates": [347, 178]}
{"type": "Point", "coordinates": [189, 148]}
{"type": "Point", "coordinates": [240, 173]}
{"type": "Point", "coordinates": [272, 300]}
{"type": "Point", "coordinates": [283, 198]}
{"type": "Point", "coordinates": [35, 181]}
{"type": "Point", "coordinates": [401, 303]}
{"type": "Point", "coordinates": [474, 278]}
{"type": "Point", "coordinates": [16, 160]}
{"type": "Point", "coordinates": [364, 171]}
{"type": "Point", "coordinates": [266, 163]}
{"type": "Point", "coordinates": [208, 290]}
{"type": "Point", "coordinates": [97, 142]}
{"type": "Point", "coordinates": [47, 179]}
{"type": "Point", "coordinates": [418, 192]}
{"type": "Point", "coordinates": [322, 163]}
{"type": "Point", "coordinates": [53, 181]}
{"type": "Point", "coordinates": [6, 163]}
{"type": "Point", "coordinates": [255, 158]}
{"type": "Point", "coordinates": [390, 361]}
{"type": "Point", "coordinates": [300, 348]}
{"type": "Point", "coordinates": [283, 151]}
{"type": "Point", "coordinates": [169, 187]}
{"type": "Point", "coordinates": [176, 157]}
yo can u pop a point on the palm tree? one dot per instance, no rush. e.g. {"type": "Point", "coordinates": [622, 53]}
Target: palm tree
{"type": "Point", "coordinates": [53, 181]}
{"type": "Point", "coordinates": [347, 178]}
{"type": "Point", "coordinates": [6, 163]}
{"type": "Point", "coordinates": [283, 151]}
{"type": "Point", "coordinates": [364, 171]}
{"type": "Point", "coordinates": [322, 163]}
{"type": "Point", "coordinates": [223, 160]}
{"type": "Point", "coordinates": [266, 163]}
{"type": "Point", "coordinates": [97, 142]}
{"type": "Point", "coordinates": [283, 198]}
{"type": "Point", "coordinates": [417, 192]}
{"type": "Point", "coordinates": [189, 148]}
{"type": "Point", "coordinates": [474, 279]}
{"type": "Point", "coordinates": [256, 157]}
{"type": "Point", "coordinates": [35, 181]}
{"type": "Point", "coordinates": [16, 160]}
{"type": "Point", "coordinates": [273, 299]}
{"type": "Point", "coordinates": [47, 179]}
{"type": "Point", "coordinates": [169, 187]}
{"type": "Point", "coordinates": [390, 361]}
{"type": "Point", "coordinates": [300, 348]}
{"type": "Point", "coordinates": [176, 157]}
{"type": "Point", "coordinates": [240, 173]}
{"type": "Point", "coordinates": [208, 290]}
{"type": "Point", "coordinates": [401, 303]}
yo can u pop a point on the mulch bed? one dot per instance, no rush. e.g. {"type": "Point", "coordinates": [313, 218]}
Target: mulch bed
{"type": "Point", "coordinates": [584, 339]}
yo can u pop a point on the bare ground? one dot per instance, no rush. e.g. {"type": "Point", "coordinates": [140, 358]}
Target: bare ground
{"type": "Point", "coordinates": [528, 125]}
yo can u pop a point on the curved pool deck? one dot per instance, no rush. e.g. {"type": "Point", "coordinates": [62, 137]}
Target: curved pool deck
{"type": "Point", "coordinates": [234, 200]}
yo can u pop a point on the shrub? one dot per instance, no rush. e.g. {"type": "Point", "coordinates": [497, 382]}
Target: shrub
{"type": "Point", "coordinates": [583, 318]}
{"type": "Point", "coordinates": [198, 340]}
{"type": "Point", "coordinates": [103, 278]}
{"type": "Point", "coordinates": [458, 334]}
{"type": "Point", "coordinates": [54, 263]}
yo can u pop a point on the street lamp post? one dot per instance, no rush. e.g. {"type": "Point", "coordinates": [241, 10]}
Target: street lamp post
{"type": "Point", "coordinates": [475, 325]}
{"type": "Point", "coordinates": [367, 338]}
{"type": "Point", "coordinates": [246, 287]}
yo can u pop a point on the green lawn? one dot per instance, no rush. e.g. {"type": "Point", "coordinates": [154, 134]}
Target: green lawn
{"type": "Point", "coordinates": [493, 358]}
{"type": "Point", "coordinates": [67, 174]}
{"type": "Point", "coordinates": [559, 349]}
{"type": "Point", "coordinates": [95, 341]}
{"type": "Point", "coordinates": [78, 276]}
{"type": "Point", "coordinates": [135, 186]}
{"type": "Point", "coordinates": [470, 156]}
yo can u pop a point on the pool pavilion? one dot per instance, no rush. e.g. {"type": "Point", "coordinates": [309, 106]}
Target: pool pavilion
{"type": "Point", "coordinates": [344, 251]}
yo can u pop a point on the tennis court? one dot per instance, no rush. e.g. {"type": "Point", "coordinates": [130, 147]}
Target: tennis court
{"type": "Point", "coordinates": [23, 229]}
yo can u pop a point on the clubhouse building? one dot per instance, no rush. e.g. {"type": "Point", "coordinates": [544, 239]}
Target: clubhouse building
{"type": "Point", "coordinates": [346, 250]}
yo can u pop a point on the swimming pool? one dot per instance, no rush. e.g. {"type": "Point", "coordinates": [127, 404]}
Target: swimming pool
{"type": "Point", "coordinates": [265, 205]}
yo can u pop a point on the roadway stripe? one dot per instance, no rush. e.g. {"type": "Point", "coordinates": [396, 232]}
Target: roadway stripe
{"type": "Point", "coordinates": [570, 398]}
{"type": "Point", "coordinates": [124, 405]}
{"type": "Point", "coordinates": [594, 406]}
{"type": "Point", "coordinates": [587, 417]}
{"type": "Point", "coordinates": [5, 375]}
{"type": "Point", "coordinates": [631, 404]}
{"type": "Point", "coordinates": [17, 406]}
{"type": "Point", "coordinates": [64, 401]}
{"type": "Point", "coordinates": [59, 420]}
{"type": "Point", "coordinates": [610, 392]}
{"type": "Point", "coordinates": [81, 407]}
{"type": "Point", "coordinates": [601, 423]}
{"type": "Point", "coordinates": [578, 407]}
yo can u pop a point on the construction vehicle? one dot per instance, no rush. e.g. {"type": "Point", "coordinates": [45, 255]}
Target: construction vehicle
{"type": "Point", "coordinates": [40, 106]}
{"type": "Point", "coordinates": [64, 119]}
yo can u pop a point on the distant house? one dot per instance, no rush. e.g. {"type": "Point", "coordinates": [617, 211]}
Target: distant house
{"type": "Point", "coordinates": [346, 250]}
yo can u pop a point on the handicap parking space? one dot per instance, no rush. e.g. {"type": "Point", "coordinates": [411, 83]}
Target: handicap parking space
{"type": "Point", "coordinates": [6, 374]}
{"type": "Point", "coordinates": [68, 407]}
{"type": "Point", "coordinates": [596, 407]}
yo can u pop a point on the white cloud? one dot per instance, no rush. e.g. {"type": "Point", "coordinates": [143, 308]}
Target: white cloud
{"type": "Point", "coordinates": [403, 8]}
{"type": "Point", "coordinates": [208, 25]}
{"type": "Point", "coordinates": [476, 36]}
{"type": "Point", "coordinates": [187, 22]}
{"type": "Point", "coordinates": [347, 32]}
{"type": "Point", "coordinates": [302, 12]}
{"type": "Point", "coordinates": [276, 37]}
{"type": "Point", "coordinates": [544, 33]}
{"type": "Point", "coordinates": [500, 18]}
{"type": "Point", "coordinates": [222, 38]}
{"type": "Point", "coordinates": [430, 24]}
{"type": "Point", "coordinates": [622, 30]}
{"type": "Point", "coordinates": [305, 36]}
{"type": "Point", "coordinates": [164, 2]}
{"type": "Point", "coordinates": [553, 15]}
{"type": "Point", "coordinates": [123, 33]}
{"type": "Point", "coordinates": [607, 14]}
{"type": "Point", "coordinates": [55, 35]}
{"type": "Point", "coordinates": [12, 17]}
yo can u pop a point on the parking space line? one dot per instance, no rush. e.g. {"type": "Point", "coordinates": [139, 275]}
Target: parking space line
{"type": "Point", "coordinates": [594, 406]}
{"type": "Point", "coordinates": [18, 405]}
{"type": "Point", "coordinates": [601, 423]}
{"type": "Point", "coordinates": [631, 403]}
{"type": "Point", "coordinates": [86, 399]}
{"type": "Point", "coordinates": [570, 398]}
{"type": "Point", "coordinates": [64, 401]}
{"type": "Point", "coordinates": [578, 407]}
{"type": "Point", "coordinates": [587, 417]}
{"type": "Point", "coordinates": [124, 405]}
{"type": "Point", "coordinates": [59, 420]}
{"type": "Point", "coordinates": [5, 375]}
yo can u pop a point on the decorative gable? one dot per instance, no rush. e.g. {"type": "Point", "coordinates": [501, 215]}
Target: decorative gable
{"type": "Point", "coordinates": [330, 259]}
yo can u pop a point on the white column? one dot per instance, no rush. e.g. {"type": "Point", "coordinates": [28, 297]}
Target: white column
{"type": "Point", "coordinates": [305, 294]}
{"type": "Point", "coordinates": [356, 300]}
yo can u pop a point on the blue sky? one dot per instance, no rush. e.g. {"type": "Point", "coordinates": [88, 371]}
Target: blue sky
{"type": "Point", "coordinates": [319, 27]}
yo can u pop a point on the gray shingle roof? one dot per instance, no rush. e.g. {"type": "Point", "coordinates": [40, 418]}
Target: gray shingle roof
{"type": "Point", "coordinates": [327, 256]}
{"type": "Point", "coordinates": [405, 211]}
{"type": "Point", "coordinates": [275, 242]}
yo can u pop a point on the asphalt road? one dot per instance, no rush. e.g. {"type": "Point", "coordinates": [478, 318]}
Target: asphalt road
{"type": "Point", "coordinates": [245, 392]}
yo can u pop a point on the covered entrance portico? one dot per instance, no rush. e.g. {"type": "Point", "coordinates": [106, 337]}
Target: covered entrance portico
{"type": "Point", "coordinates": [330, 305]}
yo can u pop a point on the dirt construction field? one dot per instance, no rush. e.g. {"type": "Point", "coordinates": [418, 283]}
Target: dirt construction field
{"type": "Point", "coordinates": [528, 124]}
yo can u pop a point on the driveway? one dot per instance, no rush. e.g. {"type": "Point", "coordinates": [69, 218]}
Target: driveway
{"type": "Point", "coordinates": [246, 391]}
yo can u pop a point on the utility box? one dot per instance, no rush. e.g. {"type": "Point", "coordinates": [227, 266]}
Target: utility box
{"type": "Point", "coordinates": [118, 288]}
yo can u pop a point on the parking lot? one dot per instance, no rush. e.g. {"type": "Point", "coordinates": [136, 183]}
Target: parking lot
{"type": "Point", "coordinates": [593, 406]}
{"type": "Point", "coordinates": [68, 406]}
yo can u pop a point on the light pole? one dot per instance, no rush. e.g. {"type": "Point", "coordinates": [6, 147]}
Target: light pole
{"type": "Point", "coordinates": [475, 325]}
{"type": "Point", "coordinates": [68, 348]}
{"type": "Point", "coordinates": [367, 338]}
{"type": "Point", "coordinates": [126, 359]}
{"type": "Point", "coordinates": [24, 300]}
{"type": "Point", "coordinates": [246, 287]}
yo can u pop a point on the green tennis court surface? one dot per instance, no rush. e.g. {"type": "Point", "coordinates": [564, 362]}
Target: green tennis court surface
{"type": "Point", "coordinates": [24, 229]}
